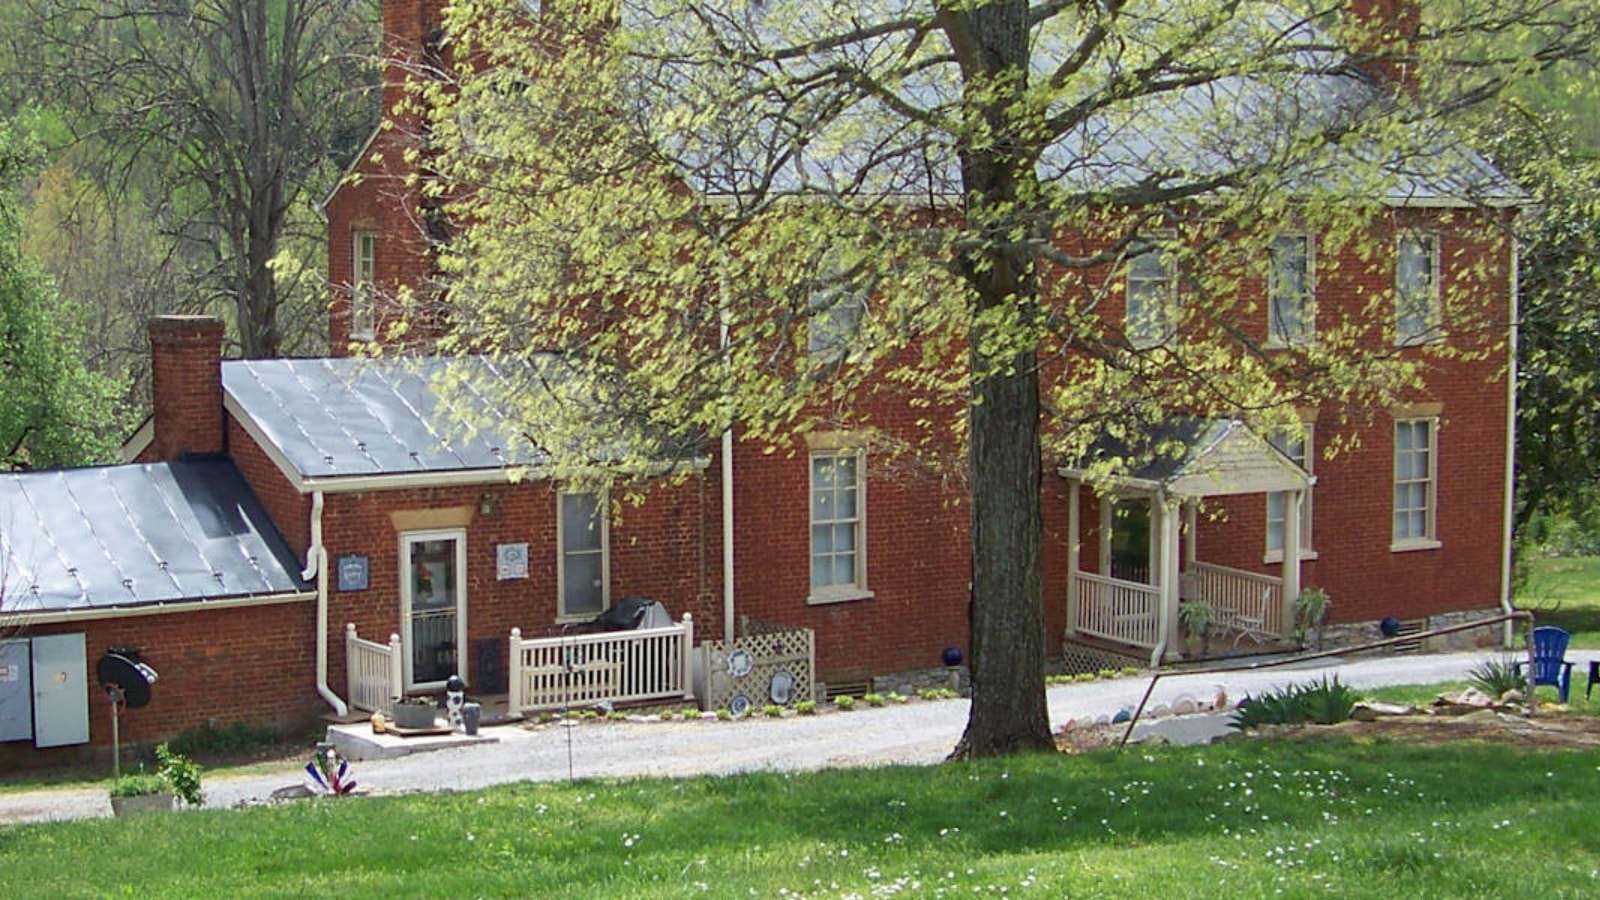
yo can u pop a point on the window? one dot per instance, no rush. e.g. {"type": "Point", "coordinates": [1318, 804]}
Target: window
{"type": "Point", "coordinates": [1297, 445]}
{"type": "Point", "coordinates": [1151, 298]}
{"type": "Point", "coordinates": [1415, 483]}
{"type": "Point", "coordinates": [1417, 288]}
{"type": "Point", "coordinates": [1291, 307]}
{"type": "Point", "coordinates": [837, 501]}
{"type": "Point", "coordinates": [585, 578]}
{"type": "Point", "coordinates": [363, 297]}
{"type": "Point", "coordinates": [835, 320]}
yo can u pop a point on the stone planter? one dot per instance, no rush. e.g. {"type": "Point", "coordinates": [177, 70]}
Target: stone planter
{"type": "Point", "coordinates": [143, 803]}
{"type": "Point", "coordinates": [414, 715]}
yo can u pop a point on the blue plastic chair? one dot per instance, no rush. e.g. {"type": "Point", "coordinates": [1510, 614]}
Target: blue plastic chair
{"type": "Point", "coordinates": [1549, 662]}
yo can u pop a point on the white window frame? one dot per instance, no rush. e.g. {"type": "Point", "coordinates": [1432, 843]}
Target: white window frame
{"type": "Point", "coordinates": [1429, 540]}
{"type": "Point", "coordinates": [1433, 316]}
{"type": "Point", "coordinates": [1168, 318]}
{"type": "Point", "coordinates": [1309, 463]}
{"type": "Point", "coordinates": [363, 286]}
{"type": "Point", "coordinates": [603, 509]}
{"type": "Point", "coordinates": [407, 538]}
{"type": "Point", "coordinates": [838, 593]}
{"type": "Point", "coordinates": [1309, 313]}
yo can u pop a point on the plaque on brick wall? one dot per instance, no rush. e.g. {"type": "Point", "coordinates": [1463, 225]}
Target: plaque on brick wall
{"type": "Point", "coordinates": [352, 571]}
{"type": "Point", "coordinates": [510, 561]}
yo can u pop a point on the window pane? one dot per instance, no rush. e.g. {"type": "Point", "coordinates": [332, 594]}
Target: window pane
{"type": "Point", "coordinates": [1289, 288]}
{"type": "Point", "coordinates": [1400, 532]}
{"type": "Point", "coordinates": [821, 571]}
{"type": "Point", "coordinates": [844, 537]}
{"type": "Point", "coordinates": [844, 568]}
{"type": "Point", "coordinates": [845, 471]}
{"type": "Point", "coordinates": [580, 528]}
{"type": "Point", "coordinates": [582, 588]}
{"type": "Point", "coordinates": [821, 538]}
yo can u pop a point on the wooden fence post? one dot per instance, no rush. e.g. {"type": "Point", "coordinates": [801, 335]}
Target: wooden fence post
{"type": "Point", "coordinates": [514, 674]}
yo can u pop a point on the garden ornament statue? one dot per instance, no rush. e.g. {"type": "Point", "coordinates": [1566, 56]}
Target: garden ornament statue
{"type": "Point", "coordinates": [455, 695]}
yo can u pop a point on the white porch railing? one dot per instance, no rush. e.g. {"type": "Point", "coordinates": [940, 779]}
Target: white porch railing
{"type": "Point", "coordinates": [1118, 610]}
{"type": "Point", "coordinates": [374, 672]}
{"type": "Point", "coordinates": [617, 666]}
{"type": "Point", "coordinates": [1247, 603]}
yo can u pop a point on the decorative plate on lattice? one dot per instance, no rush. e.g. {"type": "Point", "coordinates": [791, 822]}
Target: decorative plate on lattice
{"type": "Point", "coordinates": [781, 688]}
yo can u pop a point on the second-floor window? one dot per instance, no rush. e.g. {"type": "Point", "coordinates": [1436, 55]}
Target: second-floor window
{"type": "Point", "coordinates": [1417, 288]}
{"type": "Point", "coordinates": [1291, 301]}
{"type": "Point", "coordinates": [1152, 292]}
{"type": "Point", "coordinates": [1295, 444]}
{"type": "Point", "coordinates": [836, 313]}
{"type": "Point", "coordinates": [363, 290]}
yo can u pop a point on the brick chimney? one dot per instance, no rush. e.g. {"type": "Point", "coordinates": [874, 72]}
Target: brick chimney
{"type": "Point", "coordinates": [1392, 27]}
{"type": "Point", "coordinates": [186, 385]}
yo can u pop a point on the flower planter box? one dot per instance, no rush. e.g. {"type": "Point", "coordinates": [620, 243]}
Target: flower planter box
{"type": "Point", "coordinates": [414, 715]}
{"type": "Point", "coordinates": [142, 804]}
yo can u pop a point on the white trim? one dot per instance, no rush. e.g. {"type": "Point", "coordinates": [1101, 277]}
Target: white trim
{"type": "Point", "coordinates": [1429, 539]}
{"type": "Point", "coordinates": [838, 593]}
{"type": "Point", "coordinates": [1507, 602]}
{"type": "Point", "coordinates": [407, 538]}
{"type": "Point", "coordinates": [1410, 544]}
{"type": "Point", "coordinates": [139, 441]}
{"type": "Point", "coordinates": [285, 468]}
{"type": "Point", "coordinates": [603, 510]}
{"type": "Point", "coordinates": [12, 617]}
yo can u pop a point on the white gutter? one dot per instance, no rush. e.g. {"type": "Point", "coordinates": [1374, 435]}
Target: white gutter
{"type": "Point", "coordinates": [727, 497]}
{"type": "Point", "coordinates": [150, 609]}
{"type": "Point", "coordinates": [1507, 550]}
{"type": "Point", "coordinates": [317, 566]}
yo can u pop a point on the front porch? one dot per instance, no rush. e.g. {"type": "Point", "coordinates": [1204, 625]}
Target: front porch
{"type": "Point", "coordinates": [1149, 563]}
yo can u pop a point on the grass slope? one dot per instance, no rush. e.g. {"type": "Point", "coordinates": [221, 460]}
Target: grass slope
{"type": "Point", "coordinates": [1565, 592]}
{"type": "Point", "coordinates": [1243, 819]}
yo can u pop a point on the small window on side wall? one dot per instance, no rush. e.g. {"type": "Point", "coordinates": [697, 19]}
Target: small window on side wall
{"type": "Point", "coordinates": [837, 504]}
{"type": "Point", "coordinates": [835, 320]}
{"type": "Point", "coordinates": [584, 577]}
{"type": "Point", "coordinates": [1291, 298]}
{"type": "Point", "coordinates": [1151, 315]}
{"type": "Point", "coordinates": [1417, 318]}
{"type": "Point", "coordinates": [1416, 483]}
{"type": "Point", "coordinates": [363, 287]}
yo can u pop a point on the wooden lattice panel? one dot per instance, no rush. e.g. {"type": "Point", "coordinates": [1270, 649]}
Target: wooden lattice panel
{"type": "Point", "coordinates": [792, 651]}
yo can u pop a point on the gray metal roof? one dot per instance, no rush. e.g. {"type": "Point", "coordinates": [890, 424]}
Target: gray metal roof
{"type": "Point", "coordinates": [135, 535]}
{"type": "Point", "coordinates": [339, 417]}
{"type": "Point", "coordinates": [1158, 453]}
{"type": "Point", "coordinates": [1196, 455]}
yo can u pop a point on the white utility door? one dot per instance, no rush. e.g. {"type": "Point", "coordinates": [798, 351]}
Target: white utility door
{"type": "Point", "coordinates": [433, 605]}
{"type": "Point", "coordinates": [60, 691]}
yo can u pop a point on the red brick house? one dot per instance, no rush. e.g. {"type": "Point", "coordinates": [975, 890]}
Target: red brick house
{"type": "Point", "coordinates": [272, 504]}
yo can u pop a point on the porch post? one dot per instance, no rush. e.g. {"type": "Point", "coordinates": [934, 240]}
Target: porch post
{"type": "Point", "coordinates": [397, 668]}
{"type": "Point", "coordinates": [1072, 555]}
{"type": "Point", "coordinates": [514, 673]}
{"type": "Point", "coordinates": [1190, 520]}
{"type": "Point", "coordinates": [1291, 558]}
{"type": "Point", "coordinates": [1170, 520]}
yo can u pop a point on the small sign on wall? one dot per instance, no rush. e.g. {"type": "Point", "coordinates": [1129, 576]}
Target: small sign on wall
{"type": "Point", "coordinates": [352, 569]}
{"type": "Point", "coordinates": [510, 561]}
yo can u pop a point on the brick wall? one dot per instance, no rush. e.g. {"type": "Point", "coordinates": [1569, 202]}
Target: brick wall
{"type": "Point", "coordinates": [186, 386]}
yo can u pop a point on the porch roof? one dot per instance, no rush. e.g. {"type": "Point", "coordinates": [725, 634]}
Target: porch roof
{"type": "Point", "coordinates": [134, 536]}
{"type": "Point", "coordinates": [1196, 457]}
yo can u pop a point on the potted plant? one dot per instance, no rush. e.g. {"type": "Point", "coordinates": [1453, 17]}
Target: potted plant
{"type": "Point", "coordinates": [177, 779]}
{"type": "Point", "coordinates": [1194, 617]}
{"type": "Point", "coordinates": [415, 712]}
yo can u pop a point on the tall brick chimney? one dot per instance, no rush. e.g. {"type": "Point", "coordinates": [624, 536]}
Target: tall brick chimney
{"type": "Point", "coordinates": [186, 385]}
{"type": "Point", "coordinates": [1392, 26]}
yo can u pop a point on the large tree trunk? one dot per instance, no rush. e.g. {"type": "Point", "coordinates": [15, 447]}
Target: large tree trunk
{"type": "Point", "coordinates": [1008, 712]}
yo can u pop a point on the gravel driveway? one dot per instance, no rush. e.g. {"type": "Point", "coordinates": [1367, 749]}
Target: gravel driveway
{"type": "Point", "coordinates": [917, 732]}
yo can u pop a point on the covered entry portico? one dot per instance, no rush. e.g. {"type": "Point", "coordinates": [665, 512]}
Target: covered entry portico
{"type": "Point", "coordinates": [1147, 556]}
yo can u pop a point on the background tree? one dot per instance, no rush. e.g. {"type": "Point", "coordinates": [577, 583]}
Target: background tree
{"type": "Point", "coordinates": [53, 411]}
{"type": "Point", "coordinates": [217, 121]}
{"type": "Point", "coordinates": [683, 199]}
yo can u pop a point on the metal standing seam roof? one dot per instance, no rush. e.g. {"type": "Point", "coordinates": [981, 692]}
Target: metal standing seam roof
{"type": "Point", "coordinates": [137, 535]}
{"type": "Point", "coordinates": [348, 416]}
{"type": "Point", "coordinates": [1151, 452]}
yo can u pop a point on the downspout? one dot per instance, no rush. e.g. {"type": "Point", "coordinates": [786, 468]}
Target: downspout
{"type": "Point", "coordinates": [727, 494]}
{"type": "Point", "coordinates": [317, 566]}
{"type": "Point", "coordinates": [1507, 550]}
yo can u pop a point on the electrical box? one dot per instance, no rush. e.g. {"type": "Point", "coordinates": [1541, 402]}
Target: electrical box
{"type": "Point", "coordinates": [60, 690]}
{"type": "Point", "coordinates": [16, 691]}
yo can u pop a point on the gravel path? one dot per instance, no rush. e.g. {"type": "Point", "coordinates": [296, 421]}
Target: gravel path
{"type": "Point", "coordinates": [915, 733]}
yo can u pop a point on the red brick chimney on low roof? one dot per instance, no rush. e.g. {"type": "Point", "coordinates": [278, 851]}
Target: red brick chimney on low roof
{"type": "Point", "coordinates": [186, 386]}
{"type": "Point", "coordinates": [1393, 26]}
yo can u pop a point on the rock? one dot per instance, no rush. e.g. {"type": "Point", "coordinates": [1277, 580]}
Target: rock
{"type": "Point", "coordinates": [1121, 715]}
{"type": "Point", "coordinates": [291, 792]}
{"type": "Point", "coordinates": [1102, 719]}
{"type": "Point", "coordinates": [1159, 711]}
{"type": "Point", "coordinates": [1067, 726]}
{"type": "Point", "coordinates": [1371, 710]}
{"type": "Point", "coordinates": [1154, 738]}
{"type": "Point", "coordinates": [1221, 702]}
{"type": "Point", "coordinates": [1512, 696]}
{"type": "Point", "coordinates": [1469, 700]}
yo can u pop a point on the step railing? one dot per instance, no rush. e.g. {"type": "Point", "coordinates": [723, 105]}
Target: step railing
{"type": "Point", "coordinates": [613, 667]}
{"type": "Point", "coordinates": [1117, 610]}
{"type": "Point", "coordinates": [373, 671]}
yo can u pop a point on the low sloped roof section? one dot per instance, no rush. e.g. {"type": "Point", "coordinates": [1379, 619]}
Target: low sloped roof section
{"type": "Point", "coordinates": [350, 417]}
{"type": "Point", "coordinates": [1195, 457]}
{"type": "Point", "coordinates": [137, 535]}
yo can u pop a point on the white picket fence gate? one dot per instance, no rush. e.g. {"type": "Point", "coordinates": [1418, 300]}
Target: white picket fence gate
{"type": "Point", "coordinates": [587, 669]}
{"type": "Point", "coordinates": [374, 672]}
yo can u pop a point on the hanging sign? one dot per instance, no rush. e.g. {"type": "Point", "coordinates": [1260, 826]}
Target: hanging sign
{"type": "Point", "coordinates": [510, 561]}
{"type": "Point", "coordinates": [352, 571]}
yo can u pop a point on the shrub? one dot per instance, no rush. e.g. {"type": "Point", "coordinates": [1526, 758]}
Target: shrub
{"type": "Point", "coordinates": [806, 707]}
{"type": "Point", "coordinates": [1325, 703]}
{"type": "Point", "coordinates": [772, 710]}
{"type": "Point", "coordinates": [139, 785]}
{"type": "Point", "coordinates": [616, 715]}
{"type": "Point", "coordinates": [1083, 677]}
{"type": "Point", "coordinates": [873, 699]}
{"type": "Point", "coordinates": [1107, 673]}
{"type": "Point", "coordinates": [936, 694]}
{"type": "Point", "coordinates": [1309, 610]}
{"type": "Point", "coordinates": [1496, 676]}
{"type": "Point", "coordinates": [236, 738]}
{"type": "Point", "coordinates": [181, 774]}
{"type": "Point", "coordinates": [1130, 670]}
{"type": "Point", "coordinates": [897, 697]}
{"type": "Point", "coordinates": [1194, 617]}
{"type": "Point", "coordinates": [667, 715]}
{"type": "Point", "coordinates": [844, 702]}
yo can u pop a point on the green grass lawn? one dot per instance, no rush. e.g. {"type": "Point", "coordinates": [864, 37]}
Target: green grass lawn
{"type": "Point", "coordinates": [1566, 593]}
{"type": "Point", "coordinates": [1244, 819]}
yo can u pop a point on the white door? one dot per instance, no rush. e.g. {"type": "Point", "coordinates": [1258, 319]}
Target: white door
{"type": "Point", "coordinates": [60, 691]}
{"type": "Point", "coordinates": [433, 599]}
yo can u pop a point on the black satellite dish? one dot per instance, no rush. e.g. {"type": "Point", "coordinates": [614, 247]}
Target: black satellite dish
{"type": "Point", "coordinates": [123, 671]}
